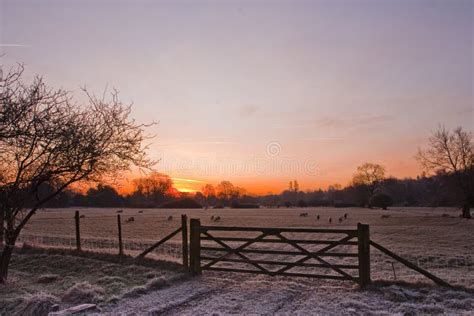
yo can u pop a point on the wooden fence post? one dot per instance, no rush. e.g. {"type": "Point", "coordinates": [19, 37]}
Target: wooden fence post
{"type": "Point", "coordinates": [195, 246]}
{"type": "Point", "coordinates": [363, 240]}
{"type": "Point", "coordinates": [119, 224]}
{"type": "Point", "coordinates": [78, 231]}
{"type": "Point", "coordinates": [184, 231]}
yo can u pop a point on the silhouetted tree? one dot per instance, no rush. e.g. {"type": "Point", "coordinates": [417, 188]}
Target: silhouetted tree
{"type": "Point", "coordinates": [79, 199]}
{"type": "Point", "coordinates": [104, 196]}
{"type": "Point", "coordinates": [381, 200]}
{"type": "Point", "coordinates": [200, 198]}
{"type": "Point", "coordinates": [369, 175]}
{"type": "Point", "coordinates": [452, 152]}
{"type": "Point", "coordinates": [334, 193]}
{"type": "Point", "coordinates": [227, 192]}
{"type": "Point", "coordinates": [208, 190]}
{"type": "Point", "coordinates": [296, 186]}
{"type": "Point", "coordinates": [153, 190]}
{"type": "Point", "coordinates": [46, 139]}
{"type": "Point", "coordinates": [209, 193]}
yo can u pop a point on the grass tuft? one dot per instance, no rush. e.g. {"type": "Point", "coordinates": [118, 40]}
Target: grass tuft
{"type": "Point", "coordinates": [38, 304]}
{"type": "Point", "coordinates": [83, 292]}
{"type": "Point", "coordinates": [47, 278]}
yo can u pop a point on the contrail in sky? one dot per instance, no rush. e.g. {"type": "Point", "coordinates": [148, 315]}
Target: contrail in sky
{"type": "Point", "coordinates": [14, 45]}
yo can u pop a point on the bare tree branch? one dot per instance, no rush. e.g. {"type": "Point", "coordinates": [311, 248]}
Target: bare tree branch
{"type": "Point", "coordinates": [453, 153]}
{"type": "Point", "coordinates": [48, 140]}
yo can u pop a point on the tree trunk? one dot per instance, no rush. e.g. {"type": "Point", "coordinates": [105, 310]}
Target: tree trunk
{"type": "Point", "coordinates": [466, 211]}
{"type": "Point", "coordinates": [5, 259]}
{"type": "Point", "coordinates": [2, 227]}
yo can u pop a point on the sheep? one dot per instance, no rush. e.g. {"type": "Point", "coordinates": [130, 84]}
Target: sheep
{"type": "Point", "coordinates": [140, 212]}
{"type": "Point", "coordinates": [130, 219]}
{"type": "Point", "coordinates": [82, 216]}
{"type": "Point", "coordinates": [212, 217]}
{"type": "Point", "coordinates": [303, 214]}
{"type": "Point", "coordinates": [340, 220]}
{"type": "Point", "coordinates": [120, 211]}
{"type": "Point", "coordinates": [170, 218]}
{"type": "Point", "coordinates": [317, 217]}
{"type": "Point", "coordinates": [345, 215]}
{"type": "Point", "coordinates": [330, 220]}
{"type": "Point", "coordinates": [217, 218]}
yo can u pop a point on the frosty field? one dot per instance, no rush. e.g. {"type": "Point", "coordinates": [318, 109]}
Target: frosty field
{"type": "Point", "coordinates": [433, 238]}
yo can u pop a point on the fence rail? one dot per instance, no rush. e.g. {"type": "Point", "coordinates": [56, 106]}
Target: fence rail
{"type": "Point", "coordinates": [343, 252]}
{"type": "Point", "coordinates": [275, 235]}
{"type": "Point", "coordinates": [410, 265]}
{"type": "Point", "coordinates": [206, 257]}
{"type": "Point", "coordinates": [159, 243]}
{"type": "Point", "coordinates": [78, 242]}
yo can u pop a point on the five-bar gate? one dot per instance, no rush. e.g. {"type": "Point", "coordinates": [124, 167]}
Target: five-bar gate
{"type": "Point", "coordinates": [211, 250]}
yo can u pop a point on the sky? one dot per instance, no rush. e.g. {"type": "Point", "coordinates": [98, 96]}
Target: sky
{"type": "Point", "coordinates": [261, 92]}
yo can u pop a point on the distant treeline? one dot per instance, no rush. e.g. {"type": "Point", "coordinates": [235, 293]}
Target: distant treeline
{"type": "Point", "coordinates": [157, 191]}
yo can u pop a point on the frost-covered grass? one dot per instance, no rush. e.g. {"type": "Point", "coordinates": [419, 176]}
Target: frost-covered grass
{"type": "Point", "coordinates": [242, 294]}
{"type": "Point", "coordinates": [435, 239]}
{"type": "Point", "coordinates": [39, 304]}
{"type": "Point", "coordinates": [38, 278]}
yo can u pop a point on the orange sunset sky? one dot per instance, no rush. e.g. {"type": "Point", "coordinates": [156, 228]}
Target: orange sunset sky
{"type": "Point", "coordinates": [261, 92]}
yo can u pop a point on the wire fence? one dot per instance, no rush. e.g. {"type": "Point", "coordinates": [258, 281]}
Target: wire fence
{"type": "Point", "coordinates": [455, 269]}
{"type": "Point", "coordinates": [168, 251]}
{"type": "Point", "coordinates": [99, 233]}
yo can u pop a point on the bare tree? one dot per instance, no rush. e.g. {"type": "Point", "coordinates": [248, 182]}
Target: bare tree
{"type": "Point", "coordinates": [227, 192]}
{"type": "Point", "coordinates": [209, 193]}
{"type": "Point", "coordinates": [47, 140]}
{"type": "Point", "coordinates": [452, 152]}
{"type": "Point", "coordinates": [369, 175]}
{"type": "Point", "coordinates": [153, 190]}
{"type": "Point", "coordinates": [208, 190]}
{"type": "Point", "coordinates": [11, 115]}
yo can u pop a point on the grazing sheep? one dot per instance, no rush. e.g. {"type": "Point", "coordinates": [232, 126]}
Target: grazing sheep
{"type": "Point", "coordinates": [330, 220]}
{"type": "Point", "coordinates": [212, 217]}
{"type": "Point", "coordinates": [82, 216]}
{"type": "Point", "coordinates": [385, 216]}
{"type": "Point", "coordinates": [217, 218]}
{"type": "Point", "coordinates": [130, 219]}
{"type": "Point", "coordinates": [317, 217]}
{"type": "Point", "coordinates": [140, 212]}
{"type": "Point", "coordinates": [170, 218]}
{"type": "Point", "coordinates": [119, 211]}
{"type": "Point", "coordinates": [340, 220]}
{"type": "Point", "coordinates": [345, 215]}
{"type": "Point", "coordinates": [303, 214]}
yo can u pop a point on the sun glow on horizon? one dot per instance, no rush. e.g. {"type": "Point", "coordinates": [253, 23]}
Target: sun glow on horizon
{"type": "Point", "coordinates": [186, 190]}
{"type": "Point", "coordinates": [305, 90]}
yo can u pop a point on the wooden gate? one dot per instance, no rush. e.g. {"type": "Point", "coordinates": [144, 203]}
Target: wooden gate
{"type": "Point", "coordinates": [223, 249]}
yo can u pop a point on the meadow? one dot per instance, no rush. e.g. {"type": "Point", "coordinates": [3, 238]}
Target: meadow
{"type": "Point", "coordinates": [434, 238]}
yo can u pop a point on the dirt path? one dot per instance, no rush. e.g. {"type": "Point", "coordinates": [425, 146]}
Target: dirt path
{"type": "Point", "coordinates": [216, 293]}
